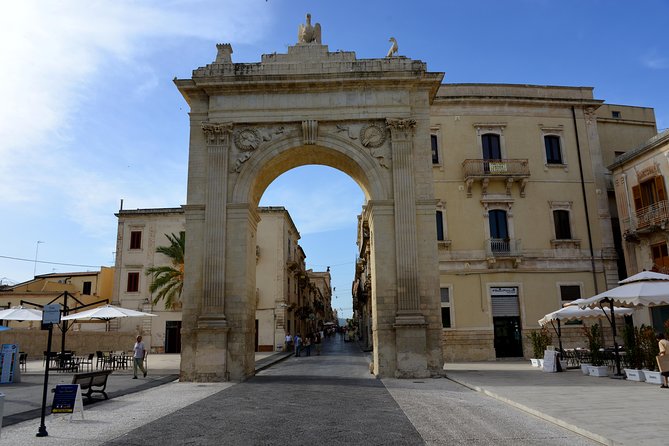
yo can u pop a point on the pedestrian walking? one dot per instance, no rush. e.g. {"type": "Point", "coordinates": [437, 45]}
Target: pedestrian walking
{"type": "Point", "coordinates": [289, 342]}
{"type": "Point", "coordinates": [139, 353]}
{"type": "Point", "coordinates": [297, 341]}
{"type": "Point", "coordinates": [307, 344]}
{"type": "Point", "coordinates": [664, 351]}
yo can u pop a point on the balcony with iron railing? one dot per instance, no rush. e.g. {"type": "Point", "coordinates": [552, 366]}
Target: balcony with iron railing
{"type": "Point", "coordinates": [486, 170]}
{"type": "Point", "coordinates": [647, 219]}
{"type": "Point", "coordinates": [503, 248]}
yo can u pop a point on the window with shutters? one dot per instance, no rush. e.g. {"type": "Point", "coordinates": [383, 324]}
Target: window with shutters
{"type": "Point", "coordinates": [492, 148]}
{"type": "Point", "coordinates": [87, 288]}
{"type": "Point", "coordinates": [135, 239]}
{"type": "Point", "coordinates": [133, 282]}
{"type": "Point", "coordinates": [650, 202]}
{"type": "Point", "coordinates": [553, 149]}
{"type": "Point", "coordinates": [660, 257]}
{"type": "Point", "coordinates": [562, 224]}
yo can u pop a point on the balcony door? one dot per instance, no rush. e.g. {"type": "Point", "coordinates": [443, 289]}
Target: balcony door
{"type": "Point", "coordinates": [491, 146]}
{"type": "Point", "coordinates": [650, 202]}
{"type": "Point", "coordinates": [499, 231]}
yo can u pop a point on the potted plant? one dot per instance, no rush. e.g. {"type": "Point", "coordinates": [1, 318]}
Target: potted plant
{"type": "Point", "coordinates": [540, 340]}
{"type": "Point", "coordinates": [632, 359]}
{"type": "Point", "coordinates": [649, 349]}
{"type": "Point", "coordinates": [594, 335]}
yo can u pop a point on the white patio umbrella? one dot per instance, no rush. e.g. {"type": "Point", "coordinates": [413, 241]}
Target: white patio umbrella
{"type": "Point", "coordinates": [106, 312]}
{"type": "Point", "coordinates": [574, 313]}
{"type": "Point", "coordinates": [21, 314]}
{"type": "Point", "coordinates": [643, 289]}
{"type": "Point", "coordinates": [646, 288]}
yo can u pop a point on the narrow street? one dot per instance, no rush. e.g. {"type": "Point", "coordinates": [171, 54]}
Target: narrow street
{"type": "Point", "coordinates": [333, 399]}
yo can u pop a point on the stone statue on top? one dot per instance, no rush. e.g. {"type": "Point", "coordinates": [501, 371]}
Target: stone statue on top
{"type": "Point", "coordinates": [309, 34]}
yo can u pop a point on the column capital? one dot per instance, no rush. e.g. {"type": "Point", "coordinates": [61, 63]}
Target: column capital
{"type": "Point", "coordinates": [401, 127]}
{"type": "Point", "coordinates": [216, 134]}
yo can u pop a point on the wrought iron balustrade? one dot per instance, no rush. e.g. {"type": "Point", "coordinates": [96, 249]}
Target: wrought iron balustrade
{"type": "Point", "coordinates": [503, 247]}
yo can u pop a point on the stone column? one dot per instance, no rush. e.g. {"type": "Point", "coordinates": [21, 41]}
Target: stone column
{"type": "Point", "coordinates": [410, 323]}
{"type": "Point", "coordinates": [211, 349]}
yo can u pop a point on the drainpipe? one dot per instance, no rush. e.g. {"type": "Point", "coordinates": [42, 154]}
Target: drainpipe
{"type": "Point", "coordinates": [585, 201]}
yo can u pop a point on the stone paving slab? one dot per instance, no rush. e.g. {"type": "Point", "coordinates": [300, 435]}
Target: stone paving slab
{"type": "Point", "coordinates": [611, 411]}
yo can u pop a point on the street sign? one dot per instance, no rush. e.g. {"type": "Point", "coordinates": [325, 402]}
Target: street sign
{"type": "Point", "coordinates": [51, 314]}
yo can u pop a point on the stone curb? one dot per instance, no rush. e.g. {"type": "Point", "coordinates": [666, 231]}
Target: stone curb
{"type": "Point", "coordinates": [564, 424]}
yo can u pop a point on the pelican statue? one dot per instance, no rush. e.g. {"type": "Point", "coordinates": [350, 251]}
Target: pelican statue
{"type": "Point", "coordinates": [393, 47]}
{"type": "Point", "coordinates": [309, 34]}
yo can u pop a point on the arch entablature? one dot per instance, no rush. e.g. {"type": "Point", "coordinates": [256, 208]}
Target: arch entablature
{"type": "Point", "coordinates": [369, 167]}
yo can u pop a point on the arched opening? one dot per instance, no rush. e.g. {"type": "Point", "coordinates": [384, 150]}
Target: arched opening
{"type": "Point", "coordinates": [311, 211]}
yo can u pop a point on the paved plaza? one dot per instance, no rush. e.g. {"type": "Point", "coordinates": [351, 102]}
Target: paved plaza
{"type": "Point", "coordinates": [333, 399]}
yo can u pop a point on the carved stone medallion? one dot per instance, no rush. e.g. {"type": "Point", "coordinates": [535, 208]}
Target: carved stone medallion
{"type": "Point", "coordinates": [247, 139]}
{"type": "Point", "coordinates": [372, 135]}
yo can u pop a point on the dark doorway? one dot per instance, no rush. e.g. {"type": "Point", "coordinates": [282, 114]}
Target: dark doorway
{"type": "Point", "coordinates": [508, 341]}
{"type": "Point", "coordinates": [173, 337]}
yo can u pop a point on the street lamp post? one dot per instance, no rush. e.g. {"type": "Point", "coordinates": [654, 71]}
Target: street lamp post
{"type": "Point", "coordinates": [36, 251]}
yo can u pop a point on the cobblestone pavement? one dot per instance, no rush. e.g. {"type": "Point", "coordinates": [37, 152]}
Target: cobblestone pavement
{"type": "Point", "coordinates": [333, 399]}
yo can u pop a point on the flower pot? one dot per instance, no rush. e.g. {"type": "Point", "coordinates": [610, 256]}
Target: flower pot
{"type": "Point", "coordinates": [534, 362]}
{"type": "Point", "coordinates": [584, 368]}
{"type": "Point", "coordinates": [635, 375]}
{"type": "Point", "coordinates": [653, 377]}
{"type": "Point", "coordinates": [598, 370]}
{"type": "Point", "coordinates": [541, 363]}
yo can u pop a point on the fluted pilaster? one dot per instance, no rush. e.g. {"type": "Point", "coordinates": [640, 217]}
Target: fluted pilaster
{"type": "Point", "coordinates": [218, 141]}
{"type": "Point", "coordinates": [406, 247]}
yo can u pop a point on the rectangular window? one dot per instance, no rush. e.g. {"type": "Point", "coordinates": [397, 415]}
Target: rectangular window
{"type": "Point", "coordinates": [562, 226]}
{"type": "Point", "coordinates": [440, 225]}
{"type": "Point", "coordinates": [133, 282]}
{"type": "Point", "coordinates": [553, 151]}
{"type": "Point", "coordinates": [435, 149]}
{"type": "Point", "coordinates": [445, 307]}
{"type": "Point", "coordinates": [135, 239]}
{"type": "Point", "coordinates": [569, 293]}
{"type": "Point", "coordinates": [615, 114]}
{"type": "Point", "coordinates": [87, 289]}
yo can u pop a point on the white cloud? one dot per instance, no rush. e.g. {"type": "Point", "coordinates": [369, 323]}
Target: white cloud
{"type": "Point", "coordinates": [53, 54]}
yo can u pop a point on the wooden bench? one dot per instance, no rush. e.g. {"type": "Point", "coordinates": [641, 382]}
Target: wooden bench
{"type": "Point", "coordinates": [94, 382]}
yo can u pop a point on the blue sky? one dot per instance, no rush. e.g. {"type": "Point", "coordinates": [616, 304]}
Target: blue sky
{"type": "Point", "coordinates": [90, 116]}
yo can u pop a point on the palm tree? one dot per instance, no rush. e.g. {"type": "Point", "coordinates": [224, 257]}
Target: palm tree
{"type": "Point", "coordinates": [169, 280]}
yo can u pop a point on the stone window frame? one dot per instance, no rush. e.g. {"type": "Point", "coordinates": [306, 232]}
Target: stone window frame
{"type": "Point", "coordinates": [449, 305]}
{"type": "Point", "coordinates": [496, 128]}
{"type": "Point", "coordinates": [563, 243]}
{"type": "Point", "coordinates": [553, 131]}
{"type": "Point", "coordinates": [492, 203]}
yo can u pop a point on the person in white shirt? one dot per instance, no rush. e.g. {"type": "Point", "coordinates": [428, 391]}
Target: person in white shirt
{"type": "Point", "coordinates": [138, 357]}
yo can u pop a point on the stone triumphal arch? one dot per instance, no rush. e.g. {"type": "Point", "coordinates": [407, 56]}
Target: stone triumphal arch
{"type": "Point", "coordinates": [249, 123]}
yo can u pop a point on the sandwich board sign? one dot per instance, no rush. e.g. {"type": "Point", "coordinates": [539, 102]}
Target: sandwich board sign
{"type": "Point", "coordinates": [67, 399]}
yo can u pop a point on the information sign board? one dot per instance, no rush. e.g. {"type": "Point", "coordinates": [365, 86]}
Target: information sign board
{"type": "Point", "coordinates": [67, 399]}
{"type": "Point", "coordinates": [8, 362]}
{"type": "Point", "coordinates": [51, 314]}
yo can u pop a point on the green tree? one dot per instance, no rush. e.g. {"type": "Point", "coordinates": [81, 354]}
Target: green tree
{"type": "Point", "coordinates": [168, 281]}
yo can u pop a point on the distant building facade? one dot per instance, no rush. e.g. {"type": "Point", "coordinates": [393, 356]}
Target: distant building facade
{"type": "Point", "coordinates": [286, 295]}
{"type": "Point", "coordinates": [639, 178]}
{"type": "Point", "coordinates": [83, 288]}
{"type": "Point", "coordinates": [525, 210]}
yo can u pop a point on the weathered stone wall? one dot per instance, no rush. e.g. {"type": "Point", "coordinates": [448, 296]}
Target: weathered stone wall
{"type": "Point", "coordinates": [468, 345]}
{"type": "Point", "coordinates": [82, 342]}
